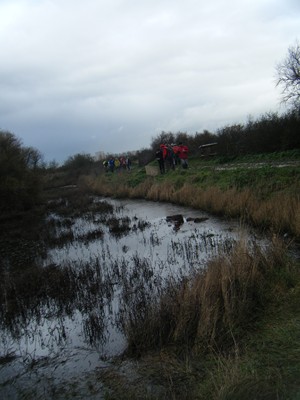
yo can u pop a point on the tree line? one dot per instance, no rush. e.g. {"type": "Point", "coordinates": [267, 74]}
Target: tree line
{"type": "Point", "coordinates": [267, 134]}
{"type": "Point", "coordinates": [22, 168]}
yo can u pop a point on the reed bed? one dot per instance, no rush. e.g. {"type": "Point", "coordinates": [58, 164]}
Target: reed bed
{"type": "Point", "coordinates": [279, 212]}
{"type": "Point", "coordinates": [213, 308]}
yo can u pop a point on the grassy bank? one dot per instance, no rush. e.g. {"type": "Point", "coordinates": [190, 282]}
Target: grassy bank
{"type": "Point", "coordinates": [265, 194]}
{"type": "Point", "coordinates": [231, 331]}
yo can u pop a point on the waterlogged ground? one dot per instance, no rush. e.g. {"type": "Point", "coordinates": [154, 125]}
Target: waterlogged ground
{"type": "Point", "coordinates": [62, 321]}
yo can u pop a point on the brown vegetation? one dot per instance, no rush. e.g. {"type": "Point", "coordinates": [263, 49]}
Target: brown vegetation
{"type": "Point", "coordinates": [213, 308]}
{"type": "Point", "coordinates": [279, 212]}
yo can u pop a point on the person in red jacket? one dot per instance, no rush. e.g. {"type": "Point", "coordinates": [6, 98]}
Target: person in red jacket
{"type": "Point", "coordinates": [183, 155]}
{"type": "Point", "coordinates": [175, 148]}
{"type": "Point", "coordinates": [164, 149]}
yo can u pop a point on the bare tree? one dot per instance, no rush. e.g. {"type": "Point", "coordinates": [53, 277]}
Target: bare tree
{"type": "Point", "coordinates": [33, 157]}
{"type": "Point", "coordinates": [288, 76]}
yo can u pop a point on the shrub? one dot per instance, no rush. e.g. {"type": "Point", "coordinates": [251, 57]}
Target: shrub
{"type": "Point", "coordinates": [20, 182]}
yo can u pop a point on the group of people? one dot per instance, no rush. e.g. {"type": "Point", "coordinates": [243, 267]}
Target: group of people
{"type": "Point", "coordinates": [117, 164]}
{"type": "Point", "coordinates": [169, 156]}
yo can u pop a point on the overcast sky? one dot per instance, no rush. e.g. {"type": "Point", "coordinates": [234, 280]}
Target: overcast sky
{"type": "Point", "coordinates": [109, 75]}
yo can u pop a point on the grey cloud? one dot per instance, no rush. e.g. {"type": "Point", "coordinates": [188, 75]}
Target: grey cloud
{"type": "Point", "coordinates": [72, 73]}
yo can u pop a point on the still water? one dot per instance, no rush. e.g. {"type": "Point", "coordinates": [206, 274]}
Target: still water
{"type": "Point", "coordinates": [57, 347]}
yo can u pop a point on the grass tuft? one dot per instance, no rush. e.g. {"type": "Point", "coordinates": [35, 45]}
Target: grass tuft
{"type": "Point", "coordinates": [212, 309]}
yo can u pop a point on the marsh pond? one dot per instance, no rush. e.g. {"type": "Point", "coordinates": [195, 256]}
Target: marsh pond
{"type": "Point", "coordinates": [66, 296]}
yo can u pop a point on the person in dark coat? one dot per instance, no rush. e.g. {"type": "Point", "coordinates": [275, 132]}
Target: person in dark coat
{"type": "Point", "coordinates": [160, 159]}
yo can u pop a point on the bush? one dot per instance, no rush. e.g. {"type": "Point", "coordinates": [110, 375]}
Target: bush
{"type": "Point", "coordinates": [20, 182]}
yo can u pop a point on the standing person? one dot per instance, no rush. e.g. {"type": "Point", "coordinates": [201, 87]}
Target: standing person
{"type": "Point", "coordinates": [105, 165]}
{"type": "Point", "coordinates": [183, 155]}
{"type": "Point", "coordinates": [117, 164]}
{"type": "Point", "coordinates": [123, 162]}
{"type": "Point", "coordinates": [175, 148]}
{"type": "Point", "coordinates": [111, 164]}
{"type": "Point", "coordinates": [160, 159]}
{"type": "Point", "coordinates": [170, 158]}
{"type": "Point", "coordinates": [128, 163]}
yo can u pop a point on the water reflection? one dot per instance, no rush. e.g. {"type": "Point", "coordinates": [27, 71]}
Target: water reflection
{"type": "Point", "coordinates": [67, 304]}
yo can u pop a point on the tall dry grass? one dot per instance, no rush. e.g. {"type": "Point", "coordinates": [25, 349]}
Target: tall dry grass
{"type": "Point", "coordinates": [101, 187]}
{"type": "Point", "coordinates": [213, 308]}
{"type": "Point", "coordinates": [279, 212]}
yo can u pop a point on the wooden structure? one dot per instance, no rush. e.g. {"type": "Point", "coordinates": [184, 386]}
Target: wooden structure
{"type": "Point", "coordinates": [208, 150]}
{"type": "Point", "coordinates": [152, 170]}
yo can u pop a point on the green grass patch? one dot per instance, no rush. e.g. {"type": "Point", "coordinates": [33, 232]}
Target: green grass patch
{"type": "Point", "coordinates": [267, 363]}
{"type": "Point", "coordinates": [265, 178]}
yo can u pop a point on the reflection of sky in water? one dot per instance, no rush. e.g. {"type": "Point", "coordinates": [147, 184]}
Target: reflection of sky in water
{"type": "Point", "coordinates": [159, 243]}
{"type": "Point", "coordinates": [167, 251]}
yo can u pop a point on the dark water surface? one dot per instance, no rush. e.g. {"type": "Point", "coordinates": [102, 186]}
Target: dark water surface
{"type": "Point", "coordinates": [54, 349]}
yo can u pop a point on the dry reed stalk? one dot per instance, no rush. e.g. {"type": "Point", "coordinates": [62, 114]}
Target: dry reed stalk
{"type": "Point", "coordinates": [186, 194]}
{"type": "Point", "coordinates": [142, 190]}
{"type": "Point", "coordinates": [168, 192]}
{"type": "Point", "coordinates": [124, 191]}
{"type": "Point", "coordinates": [280, 212]}
{"type": "Point", "coordinates": [213, 199]}
{"type": "Point", "coordinates": [98, 186]}
{"type": "Point", "coordinates": [153, 192]}
{"type": "Point", "coordinates": [286, 212]}
{"type": "Point", "coordinates": [214, 308]}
